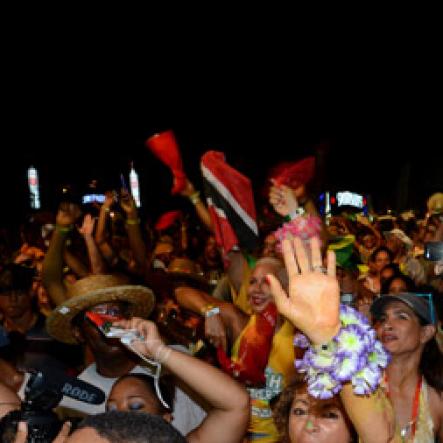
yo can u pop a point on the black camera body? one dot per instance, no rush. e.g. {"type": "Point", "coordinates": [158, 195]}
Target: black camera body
{"type": "Point", "coordinates": [43, 393]}
{"type": "Point", "coordinates": [36, 411]}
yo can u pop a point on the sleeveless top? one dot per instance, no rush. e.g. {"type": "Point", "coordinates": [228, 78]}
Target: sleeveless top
{"type": "Point", "coordinates": [424, 432]}
{"type": "Point", "coordinates": [425, 424]}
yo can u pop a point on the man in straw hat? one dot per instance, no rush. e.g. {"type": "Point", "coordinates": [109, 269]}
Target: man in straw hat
{"type": "Point", "coordinates": [109, 295]}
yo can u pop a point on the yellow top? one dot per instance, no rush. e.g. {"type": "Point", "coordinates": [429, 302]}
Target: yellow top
{"type": "Point", "coordinates": [279, 371]}
{"type": "Point", "coordinates": [241, 299]}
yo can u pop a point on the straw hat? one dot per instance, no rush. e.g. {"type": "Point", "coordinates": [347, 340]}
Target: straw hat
{"type": "Point", "coordinates": [95, 290]}
{"type": "Point", "coordinates": [185, 270]}
{"type": "Point", "coordinates": [401, 236]}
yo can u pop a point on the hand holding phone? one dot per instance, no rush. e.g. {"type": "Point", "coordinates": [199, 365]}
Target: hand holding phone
{"type": "Point", "coordinates": [123, 182]}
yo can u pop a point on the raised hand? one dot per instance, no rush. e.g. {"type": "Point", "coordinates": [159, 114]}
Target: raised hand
{"type": "Point", "coordinates": [150, 343]}
{"type": "Point", "coordinates": [87, 227]}
{"type": "Point", "coordinates": [127, 203]}
{"type": "Point", "coordinates": [282, 199]}
{"type": "Point", "coordinates": [67, 214]}
{"type": "Point", "coordinates": [109, 201]}
{"type": "Point", "coordinates": [188, 189]}
{"type": "Point", "coordinates": [312, 304]}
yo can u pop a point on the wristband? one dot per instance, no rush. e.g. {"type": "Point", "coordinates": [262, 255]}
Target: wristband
{"type": "Point", "coordinates": [296, 213]}
{"type": "Point", "coordinates": [210, 310]}
{"type": "Point", "coordinates": [130, 221]}
{"type": "Point", "coordinates": [64, 229]}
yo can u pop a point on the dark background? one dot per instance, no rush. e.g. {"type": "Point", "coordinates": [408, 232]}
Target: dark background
{"type": "Point", "coordinates": [82, 111]}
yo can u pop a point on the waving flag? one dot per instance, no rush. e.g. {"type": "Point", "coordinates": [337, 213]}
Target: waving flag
{"type": "Point", "coordinates": [230, 202]}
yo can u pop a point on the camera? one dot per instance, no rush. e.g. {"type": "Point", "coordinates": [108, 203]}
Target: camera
{"type": "Point", "coordinates": [36, 411]}
{"type": "Point", "coordinates": [43, 393]}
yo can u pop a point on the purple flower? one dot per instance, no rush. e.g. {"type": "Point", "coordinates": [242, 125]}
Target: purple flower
{"type": "Point", "coordinates": [300, 341]}
{"type": "Point", "coordinates": [353, 355]}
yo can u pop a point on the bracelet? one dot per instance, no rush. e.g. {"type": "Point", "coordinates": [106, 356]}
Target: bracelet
{"type": "Point", "coordinates": [353, 355]}
{"type": "Point", "coordinates": [195, 197]}
{"type": "Point", "coordinates": [106, 209]}
{"type": "Point", "coordinates": [162, 354]}
{"type": "Point", "coordinates": [210, 310]}
{"type": "Point", "coordinates": [64, 229]}
{"type": "Point", "coordinates": [130, 221]}
{"type": "Point", "coordinates": [296, 213]}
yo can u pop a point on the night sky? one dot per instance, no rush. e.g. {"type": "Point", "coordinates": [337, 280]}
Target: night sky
{"type": "Point", "coordinates": [90, 126]}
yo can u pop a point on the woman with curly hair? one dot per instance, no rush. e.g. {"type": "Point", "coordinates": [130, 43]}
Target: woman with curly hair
{"type": "Point", "coordinates": [299, 416]}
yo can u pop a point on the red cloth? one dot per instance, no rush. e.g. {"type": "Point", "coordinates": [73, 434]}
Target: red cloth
{"type": "Point", "coordinates": [254, 349]}
{"type": "Point", "coordinates": [167, 219]}
{"type": "Point", "coordinates": [294, 174]}
{"type": "Point", "coordinates": [165, 147]}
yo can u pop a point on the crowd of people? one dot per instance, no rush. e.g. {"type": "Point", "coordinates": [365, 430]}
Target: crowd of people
{"type": "Point", "coordinates": [329, 330]}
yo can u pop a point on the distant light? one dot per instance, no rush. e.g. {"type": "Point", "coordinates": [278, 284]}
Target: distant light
{"type": "Point", "coordinates": [34, 192]}
{"type": "Point", "coordinates": [347, 198]}
{"type": "Point", "coordinates": [135, 188]}
{"type": "Point", "coordinates": [333, 200]}
{"type": "Point", "coordinates": [93, 198]}
{"type": "Point", "coordinates": [65, 190]}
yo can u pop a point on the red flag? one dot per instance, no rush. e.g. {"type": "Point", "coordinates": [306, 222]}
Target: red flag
{"type": "Point", "coordinates": [294, 174]}
{"type": "Point", "coordinates": [254, 348]}
{"type": "Point", "coordinates": [165, 147]}
{"type": "Point", "coordinates": [167, 219]}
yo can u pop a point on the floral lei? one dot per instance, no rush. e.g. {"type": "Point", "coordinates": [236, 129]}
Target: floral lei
{"type": "Point", "coordinates": [354, 355]}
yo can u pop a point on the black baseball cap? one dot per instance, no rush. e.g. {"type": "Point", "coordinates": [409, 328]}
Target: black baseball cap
{"type": "Point", "coordinates": [421, 304]}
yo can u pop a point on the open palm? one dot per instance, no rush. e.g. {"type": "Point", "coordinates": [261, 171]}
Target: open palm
{"type": "Point", "coordinates": [313, 298]}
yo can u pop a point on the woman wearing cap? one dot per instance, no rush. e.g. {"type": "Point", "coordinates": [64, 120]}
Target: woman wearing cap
{"type": "Point", "coordinates": [229, 404]}
{"type": "Point", "coordinates": [406, 325]}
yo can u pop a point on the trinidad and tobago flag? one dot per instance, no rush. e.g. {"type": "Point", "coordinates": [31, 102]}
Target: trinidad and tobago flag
{"type": "Point", "coordinates": [230, 202]}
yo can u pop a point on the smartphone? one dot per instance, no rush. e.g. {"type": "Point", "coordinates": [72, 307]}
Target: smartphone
{"type": "Point", "coordinates": [123, 182]}
{"type": "Point", "coordinates": [434, 251]}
